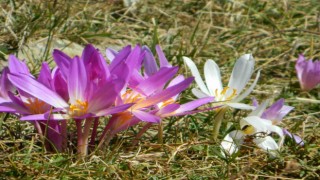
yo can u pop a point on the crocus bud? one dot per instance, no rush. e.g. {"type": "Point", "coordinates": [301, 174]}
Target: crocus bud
{"type": "Point", "coordinates": [308, 73]}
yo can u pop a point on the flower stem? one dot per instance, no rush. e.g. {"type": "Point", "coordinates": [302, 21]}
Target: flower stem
{"type": "Point", "coordinates": [105, 139]}
{"type": "Point", "coordinates": [82, 146]}
{"type": "Point", "coordinates": [105, 131]}
{"type": "Point", "coordinates": [80, 142]}
{"type": "Point", "coordinates": [85, 137]}
{"type": "Point", "coordinates": [64, 135]}
{"type": "Point", "coordinates": [217, 122]}
{"type": "Point", "coordinates": [39, 130]}
{"type": "Point", "coordinates": [141, 132]}
{"type": "Point", "coordinates": [160, 133]}
{"type": "Point", "coordinates": [94, 131]}
{"type": "Point", "coordinates": [37, 125]}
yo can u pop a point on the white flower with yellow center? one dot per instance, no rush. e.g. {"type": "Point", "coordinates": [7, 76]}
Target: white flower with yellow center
{"type": "Point", "coordinates": [230, 95]}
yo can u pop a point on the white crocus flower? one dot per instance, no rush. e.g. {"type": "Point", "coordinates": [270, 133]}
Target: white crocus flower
{"type": "Point", "coordinates": [230, 95]}
{"type": "Point", "coordinates": [257, 129]}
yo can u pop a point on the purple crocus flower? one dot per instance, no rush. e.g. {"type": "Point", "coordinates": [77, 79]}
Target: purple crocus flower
{"type": "Point", "coordinates": [308, 73]}
{"type": "Point", "coordinates": [24, 104]}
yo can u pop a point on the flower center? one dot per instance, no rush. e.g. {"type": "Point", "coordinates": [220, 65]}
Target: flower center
{"type": "Point", "coordinates": [222, 95]}
{"type": "Point", "coordinates": [131, 97]}
{"type": "Point", "coordinates": [79, 108]}
{"type": "Point", "coordinates": [35, 106]}
{"type": "Point", "coordinates": [122, 118]}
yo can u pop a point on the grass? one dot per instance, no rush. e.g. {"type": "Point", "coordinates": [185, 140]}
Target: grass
{"type": "Point", "coordinates": [275, 32]}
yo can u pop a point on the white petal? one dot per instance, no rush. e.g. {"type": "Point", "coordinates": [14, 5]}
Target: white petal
{"type": "Point", "coordinates": [240, 106]}
{"type": "Point", "coordinates": [237, 136]}
{"type": "Point", "coordinates": [198, 93]}
{"type": "Point", "coordinates": [232, 141]}
{"type": "Point", "coordinates": [259, 124]}
{"type": "Point", "coordinates": [260, 109]}
{"type": "Point", "coordinates": [196, 74]}
{"type": "Point", "coordinates": [276, 129]}
{"type": "Point", "coordinates": [267, 143]}
{"type": "Point", "coordinates": [249, 90]}
{"type": "Point", "coordinates": [241, 72]}
{"type": "Point", "coordinates": [212, 76]}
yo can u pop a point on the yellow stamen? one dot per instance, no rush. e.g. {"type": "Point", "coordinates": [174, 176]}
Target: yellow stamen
{"type": "Point", "coordinates": [223, 92]}
{"type": "Point", "coordinates": [234, 93]}
{"type": "Point", "coordinates": [131, 97]}
{"type": "Point", "coordinates": [221, 96]}
{"type": "Point", "coordinates": [35, 106]}
{"type": "Point", "coordinates": [79, 108]}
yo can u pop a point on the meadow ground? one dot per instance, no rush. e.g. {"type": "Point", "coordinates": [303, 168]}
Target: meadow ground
{"type": "Point", "coordinates": [275, 32]}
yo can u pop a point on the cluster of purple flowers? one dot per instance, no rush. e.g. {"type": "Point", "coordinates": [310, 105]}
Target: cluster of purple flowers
{"type": "Point", "coordinates": [130, 89]}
